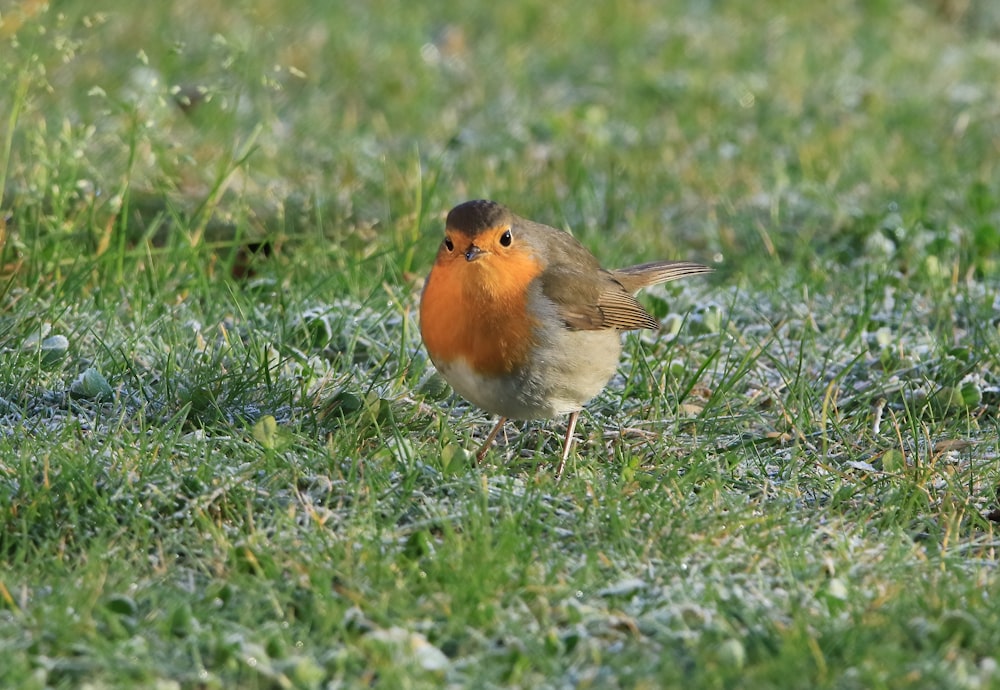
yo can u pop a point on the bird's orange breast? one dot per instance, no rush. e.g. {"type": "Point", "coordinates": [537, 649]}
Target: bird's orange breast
{"type": "Point", "coordinates": [478, 311]}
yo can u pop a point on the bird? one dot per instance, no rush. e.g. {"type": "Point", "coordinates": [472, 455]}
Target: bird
{"type": "Point", "coordinates": [521, 320]}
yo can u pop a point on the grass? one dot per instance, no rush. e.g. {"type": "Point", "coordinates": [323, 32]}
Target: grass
{"type": "Point", "coordinates": [228, 466]}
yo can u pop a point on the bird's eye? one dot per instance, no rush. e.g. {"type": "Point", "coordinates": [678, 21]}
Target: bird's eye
{"type": "Point", "coordinates": [505, 239]}
{"type": "Point", "coordinates": [448, 244]}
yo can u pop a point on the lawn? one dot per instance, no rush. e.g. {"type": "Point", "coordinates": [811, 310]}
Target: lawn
{"type": "Point", "coordinates": [226, 460]}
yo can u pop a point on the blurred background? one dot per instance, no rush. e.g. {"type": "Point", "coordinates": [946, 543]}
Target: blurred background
{"type": "Point", "coordinates": [777, 134]}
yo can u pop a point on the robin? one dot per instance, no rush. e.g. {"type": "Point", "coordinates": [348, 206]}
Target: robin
{"type": "Point", "coordinates": [521, 319]}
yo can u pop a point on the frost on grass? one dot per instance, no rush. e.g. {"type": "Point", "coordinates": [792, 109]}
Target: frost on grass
{"type": "Point", "coordinates": [222, 375]}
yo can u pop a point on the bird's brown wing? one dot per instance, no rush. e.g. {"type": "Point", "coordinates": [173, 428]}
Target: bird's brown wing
{"type": "Point", "coordinates": [593, 301]}
{"type": "Point", "coordinates": [586, 296]}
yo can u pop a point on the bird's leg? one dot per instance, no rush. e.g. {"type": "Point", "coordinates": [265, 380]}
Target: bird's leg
{"type": "Point", "coordinates": [568, 443]}
{"type": "Point", "coordinates": [481, 453]}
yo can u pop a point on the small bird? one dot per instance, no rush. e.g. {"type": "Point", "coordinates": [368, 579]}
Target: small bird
{"type": "Point", "coordinates": [521, 319]}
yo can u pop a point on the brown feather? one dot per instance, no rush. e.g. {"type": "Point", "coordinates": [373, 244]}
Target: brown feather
{"type": "Point", "coordinates": [634, 278]}
{"type": "Point", "coordinates": [591, 298]}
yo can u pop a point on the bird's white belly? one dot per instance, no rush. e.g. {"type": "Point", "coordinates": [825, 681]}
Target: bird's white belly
{"type": "Point", "coordinates": [561, 377]}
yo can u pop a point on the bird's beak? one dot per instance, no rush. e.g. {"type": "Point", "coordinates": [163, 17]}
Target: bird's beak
{"type": "Point", "coordinates": [473, 253]}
